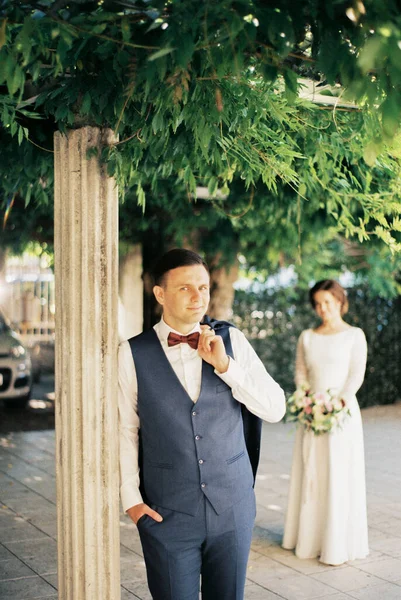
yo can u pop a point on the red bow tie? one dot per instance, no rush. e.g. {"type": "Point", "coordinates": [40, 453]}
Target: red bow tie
{"type": "Point", "coordinates": [175, 338]}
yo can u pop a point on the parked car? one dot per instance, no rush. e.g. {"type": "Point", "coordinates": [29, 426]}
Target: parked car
{"type": "Point", "coordinates": [16, 376]}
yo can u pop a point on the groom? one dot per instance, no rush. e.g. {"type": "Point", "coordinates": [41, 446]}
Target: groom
{"type": "Point", "coordinates": [186, 477]}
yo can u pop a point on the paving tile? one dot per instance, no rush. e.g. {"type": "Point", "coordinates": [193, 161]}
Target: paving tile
{"type": "Point", "coordinates": [5, 513]}
{"type": "Point", "coordinates": [347, 579]}
{"type": "Point", "coordinates": [256, 592]}
{"type": "Point", "coordinates": [263, 550]}
{"type": "Point", "coordinates": [337, 596]}
{"type": "Point", "coordinates": [298, 587]}
{"type": "Point", "coordinates": [129, 538]}
{"type": "Point", "coordinates": [371, 557]}
{"type": "Point", "coordinates": [22, 471]}
{"type": "Point", "coordinates": [139, 589]}
{"type": "Point", "coordinates": [40, 555]}
{"type": "Point", "coordinates": [5, 554]}
{"type": "Point", "coordinates": [264, 538]}
{"type": "Point", "coordinates": [126, 595]}
{"type": "Point", "coordinates": [14, 568]}
{"type": "Point", "coordinates": [20, 531]}
{"type": "Point", "coordinates": [253, 555]}
{"type": "Point", "coordinates": [385, 568]}
{"type": "Point", "coordinates": [304, 566]}
{"type": "Point", "coordinates": [132, 566]}
{"type": "Point", "coordinates": [391, 525]}
{"type": "Point", "coordinates": [376, 535]}
{"type": "Point", "coordinates": [46, 524]}
{"type": "Point", "coordinates": [262, 570]}
{"type": "Point", "coordinates": [25, 589]}
{"type": "Point", "coordinates": [42, 510]}
{"type": "Point", "coordinates": [10, 488]}
{"type": "Point", "coordinates": [384, 591]}
{"type": "Point", "coordinates": [29, 497]}
{"type": "Point", "coordinates": [51, 578]}
{"type": "Point", "coordinates": [388, 545]}
{"type": "Point", "coordinates": [27, 502]}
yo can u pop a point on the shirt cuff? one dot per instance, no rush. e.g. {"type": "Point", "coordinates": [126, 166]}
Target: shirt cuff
{"type": "Point", "coordinates": [130, 496]}
{"type": "Point", "coordinates": [234, 376]}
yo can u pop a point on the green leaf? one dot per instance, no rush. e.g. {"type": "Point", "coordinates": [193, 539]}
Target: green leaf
{"type": "Point", "coordinates": [302, 189]}
{"type": "Point", "coordinates": [141, 197]}
{"type": "Point", "coordinates": [61, 112]}
{"type": "Point", "coordinates": [370, 154]}
{"type": "Point", "coordinates": [155, 25]}
{"type": "Point", "coordinates": [125, 29]}
{"type": "Point", "coordinates": [291, 84]}
{"type": "Point", "coordinates": [98, 28]}
{"type": "Point", "coordinates": [160, 53]}
{"type": "Point", "coordinates": [16, 79]}
{"type": "Point", "coordinates": [158, 122]}
{"type": "Point", "coordinates": [86, 103]}
{"type": "Point", "coordinates": [212, 185]}
{"type": "Point", "coordinates": [185, 50]}
{"type": "Point", "coordinates": [391, 112]}
{"type": "Point", "coordinates": [269, 72]}
{"type": "Point", "coordinates": [370, 53]}
{"type": "Point", "coordinates": [28, 195]}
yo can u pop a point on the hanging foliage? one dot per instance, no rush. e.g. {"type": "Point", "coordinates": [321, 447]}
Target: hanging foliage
{"type": "Point", "coordinates": [206, 93]}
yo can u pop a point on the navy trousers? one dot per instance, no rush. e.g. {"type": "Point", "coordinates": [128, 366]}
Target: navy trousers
{"type": "Point", "coordinates": [182, 549]}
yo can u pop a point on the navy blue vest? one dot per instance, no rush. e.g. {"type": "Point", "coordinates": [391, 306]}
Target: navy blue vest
{"type": "Point", "coordinates": [188, 450]}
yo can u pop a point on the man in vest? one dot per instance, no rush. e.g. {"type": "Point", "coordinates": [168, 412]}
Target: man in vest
{"type": "Point", "coordinates": [186, 477]}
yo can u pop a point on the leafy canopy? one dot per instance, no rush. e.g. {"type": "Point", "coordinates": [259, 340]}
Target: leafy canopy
{"type": "Point", "coordinates": [206, 93]}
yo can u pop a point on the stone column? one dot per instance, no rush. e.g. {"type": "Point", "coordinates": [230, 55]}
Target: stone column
{"type": "Point", "coordinates": [86, 275]}
{"type": "Point", "coordinates": [130, 291]}
{"type": "Point", "coordinates": [222, 291]}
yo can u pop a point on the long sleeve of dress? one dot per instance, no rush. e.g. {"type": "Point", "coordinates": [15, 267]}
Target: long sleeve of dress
{"type": "Point", "coordinates": [357, 366]}
{"type": "Point", "coordinates": [301, 370]}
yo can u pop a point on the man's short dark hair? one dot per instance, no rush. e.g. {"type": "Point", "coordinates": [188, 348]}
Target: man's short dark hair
{"type": "Point", "coordinates": [178, 257]}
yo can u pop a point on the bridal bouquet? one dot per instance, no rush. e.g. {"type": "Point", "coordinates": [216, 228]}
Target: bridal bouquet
{"type": "Point", "coordinates": [319, 412]}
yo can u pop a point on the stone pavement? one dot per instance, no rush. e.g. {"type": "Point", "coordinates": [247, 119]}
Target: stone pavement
{"type": "Point", "coordinates": [28, 523]}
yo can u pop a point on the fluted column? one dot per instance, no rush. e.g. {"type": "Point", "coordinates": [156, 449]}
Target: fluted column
{"type": "Point", "coordinates": [86, 274]}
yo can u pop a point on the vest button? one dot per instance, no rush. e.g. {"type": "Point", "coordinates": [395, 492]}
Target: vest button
{"type": "Point", "coordinates": [200, 461]}
{"type": "Point", "coordinates": [203, 485]}
{"type": "Point", "coordinates": [197, 437]}
{"type": "Point", "coordinates": [194, 413]}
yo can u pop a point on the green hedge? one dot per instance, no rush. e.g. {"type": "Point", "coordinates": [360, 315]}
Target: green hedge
{"type": "Point", "coordinates": [273, 319]}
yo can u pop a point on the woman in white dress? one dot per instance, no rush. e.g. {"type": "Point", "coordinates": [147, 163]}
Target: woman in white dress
{"type": "Point", "coordinates": [326, 515]}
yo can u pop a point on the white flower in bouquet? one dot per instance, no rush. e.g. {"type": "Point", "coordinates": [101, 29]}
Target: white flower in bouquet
{"type": "Point", "coordinates": [321, 398]}
{"type": "Point", "coordinates": [318, 411]}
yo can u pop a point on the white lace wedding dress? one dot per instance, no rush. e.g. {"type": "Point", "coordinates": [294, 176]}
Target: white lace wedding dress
{"type": "Point", "coordinates": [326, 515]}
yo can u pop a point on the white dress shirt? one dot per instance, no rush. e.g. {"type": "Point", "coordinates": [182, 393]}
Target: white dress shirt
{"type": "Point", "coordinates": [249, 381]}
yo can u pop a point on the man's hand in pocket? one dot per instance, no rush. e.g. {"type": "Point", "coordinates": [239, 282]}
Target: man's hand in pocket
{"type": "Point", "coordinates": [139, 510]}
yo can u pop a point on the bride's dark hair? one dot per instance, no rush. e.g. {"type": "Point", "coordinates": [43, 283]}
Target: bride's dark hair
{"type": "Point", "coordinates": [335, 289]}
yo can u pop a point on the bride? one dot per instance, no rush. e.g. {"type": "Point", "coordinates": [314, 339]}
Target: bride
{"type": "Point", "coordinates": [326, 515]}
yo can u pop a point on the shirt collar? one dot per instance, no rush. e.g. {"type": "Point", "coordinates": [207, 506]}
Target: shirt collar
{"type": "Point", "coordinates": [163, 329]}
